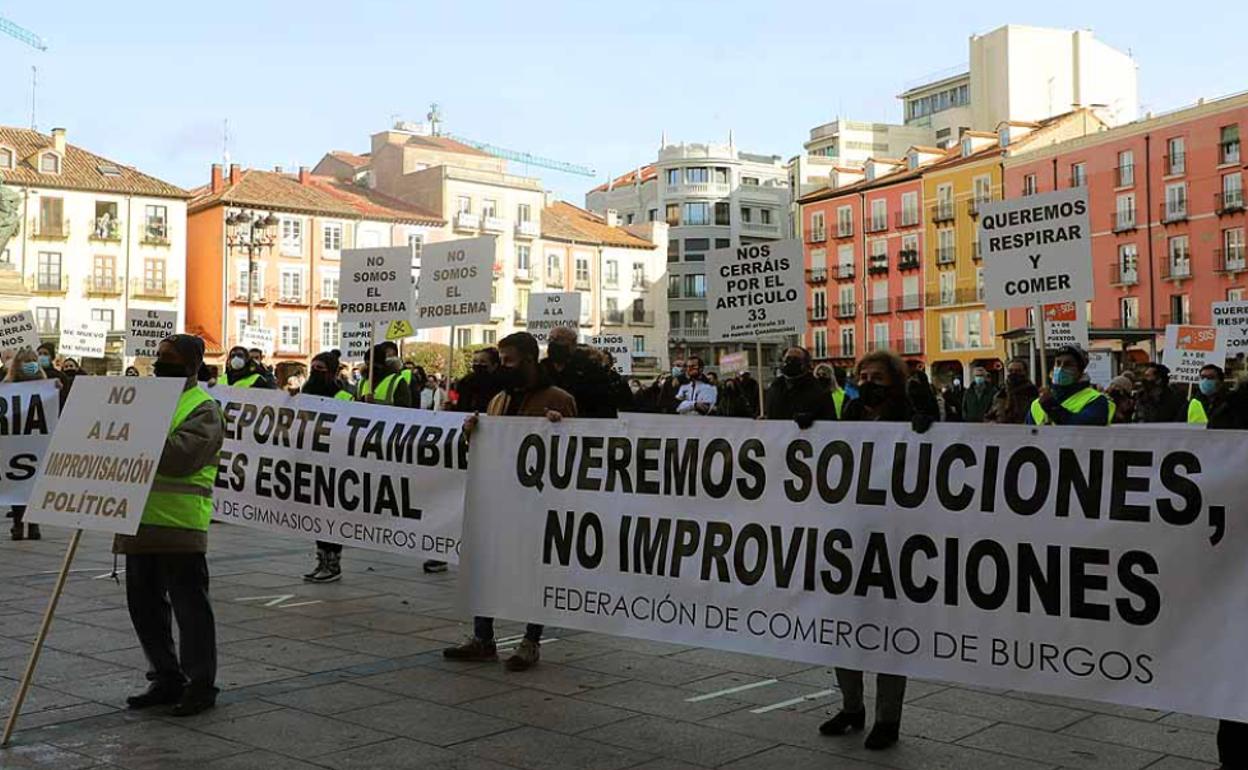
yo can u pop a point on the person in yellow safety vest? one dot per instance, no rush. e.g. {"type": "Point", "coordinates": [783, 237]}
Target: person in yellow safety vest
{"type": "Point", "coordinates": [1210, 395]}
{"type": "Point", "coordinates": [385, 383]}
{"type": "Point", "coordinates": [1071, 400]}
{"type": "Point", "coordinates": [826, 376]}
{"type": "Point", "coordinates": [323, 381]}
{"type": "Point", "coordinates": [165, 564]}
{"type": "Point", "coordinates": [243, 372]}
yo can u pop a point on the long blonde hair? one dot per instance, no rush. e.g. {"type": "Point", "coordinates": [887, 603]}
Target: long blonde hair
{"type": "Point", "coordinates": [14, 373]}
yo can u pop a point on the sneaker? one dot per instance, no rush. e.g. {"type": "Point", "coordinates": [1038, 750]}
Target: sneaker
{"type": "Point", "coordinates": [194, 702]}
{"type": "Point", "coordinates": [33, 533]}
{"type": "Point", "coordinates": [330, 571]}
{"type": "Point", "coordinates": [157, 694]}
{"type": "Point", "coordinates": [472, 651]}
{"type": "Point", "coordinates": [320, 565]}
{"type": "Point", "coordinates": [432, 567]}
{"type": "Point", "coordinates": [525, 657]}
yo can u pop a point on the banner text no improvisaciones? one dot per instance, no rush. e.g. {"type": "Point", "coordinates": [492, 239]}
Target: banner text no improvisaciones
{"type": "Point", "coordinates": [1062, 560]}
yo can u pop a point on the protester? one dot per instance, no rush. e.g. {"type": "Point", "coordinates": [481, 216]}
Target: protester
{"type": "Point", "coordinates": [1210, 394]}
{"type": "Point", "coordinates": [921, 396]}
{"type": "Point", "coordinates": [323, 381]}
{"type": "Point", "coordinates": [24, 367]}
{"type": "Point", "coordinates": [713, 379]}
{"type": "Point", "coordinates": [431, 394]}
{"type": "Point", "coordinates": [385, 383]}
{"type": "Point", "coordinates": [47, 356]}
{"type": "Point", "coordinates": [977, 399]}
{"type": "Point", "coordinates": [731, 400]}
{"type": "Point", "coordinates": [243, 371]}
{"type": "Point", "coordinates": [883, 389]}
{"type": "Point", "coordinates": [796, 394]}
{"type": "Point", "coordinates": [481, 384]}
{"type": "Point", "coordinates": [1156, 401]}
{"type": "Point", "coordinates": [1011, 403]}
{"type": "Point", "coordinates": [826, 377]}
{"type": "Point", "coordinates": [132, 371]}
{"type": "Point", "coordinates": [749, 391]}
{"type": "Point", "coordinates": [582, 372]}
{"type": "Point", "coordinates": [165, 565]}
{"type": "Point", "coordinates": [527, 392]}
{"type": "Point", "coordinates": [696, 396]}
{"type": "Point", "coordinates": [952, 395]}
{"type": "Point", "coordinates": [1120, 391]}
{"type": "Point", "coordinates": [1071, 400]}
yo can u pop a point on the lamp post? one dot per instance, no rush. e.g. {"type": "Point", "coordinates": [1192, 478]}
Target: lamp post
{"type": "Point", "coordinates": [252, 233]}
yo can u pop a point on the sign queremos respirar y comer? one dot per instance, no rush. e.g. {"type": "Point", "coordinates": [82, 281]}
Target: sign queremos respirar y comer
{"type": "Point", "coordinates": [1036, 249]}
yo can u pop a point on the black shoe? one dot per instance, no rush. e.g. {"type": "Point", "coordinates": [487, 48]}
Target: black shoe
{"type": "Point", "coordinates": [433, 567]}
{"type": "Point", "coordinates": [882, 735]}
{"type": "Point", "coordinates": [33, 533]}
{"type": "Point", "coordinates": [472, 651]}
{"type": "Point", "coordinates": [157, 695]}
{"type": "Point", "coordinates": [17, 532]}
{"type": "Point", "coordinates": [844, 723]}
{"type": "Point", "coordinates": [193, 703]}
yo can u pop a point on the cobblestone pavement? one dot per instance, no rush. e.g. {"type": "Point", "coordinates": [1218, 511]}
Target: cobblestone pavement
{"type": "Point", "coordinates": [350, 676]}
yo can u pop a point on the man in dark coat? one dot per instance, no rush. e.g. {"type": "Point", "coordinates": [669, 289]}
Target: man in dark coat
{"type": "Point", "coordinates": [796, 394]}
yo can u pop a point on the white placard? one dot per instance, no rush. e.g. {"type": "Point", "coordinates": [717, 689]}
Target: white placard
{"type": "Point", "coordinates": [29, 419]}
{"type": "Point", "coordinates": [1065, 323]}
{"type": "Point", "coordinates": [1100, 368]}
{"type": "Point", "coordinates": [552, 309]}
{"type": "Point", "coordinates": [456, 280]}
{"type": "Point", "coordinates": [355, 340]}
{"type": "Point", "coordinates": [17, 331]}
{"type": "Point", "coordinates": [756, 291]}
{"type": "Point", "coordinates": [375, 284]}
{"type": "Point", "coordinates": [617, 345]}
{"type": "Point", "coordinates": [146, 328]}
{"type": "Point", "coordinates": [103, 456]}
{"type": "Point", "coordinates": [1036, 249]}
{"type": "Point", "coordinates": [959, 555]}
{"type": "Point", "coordinates": [734, 363]}
{"type": "Point", "coordinates": [1190, 348]}
{"type": "Point", "coordinates": [258, 337]}
{"type": "Point", "coordinates": [1232, 319]}
{"type": "Point", "coordinates": [85, 339]}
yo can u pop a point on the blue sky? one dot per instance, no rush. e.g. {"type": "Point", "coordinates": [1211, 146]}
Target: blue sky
{"type": "Point", "coordinates": [149, 83]}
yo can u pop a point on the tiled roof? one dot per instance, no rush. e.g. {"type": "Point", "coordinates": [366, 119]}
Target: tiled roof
{"type": "Point", "coordinates": [374, 205]}
{"type": "Point", "coordinates": [350, 158]}
{"type": "Point", "coordinates": [271, 190]}
{"type": "Point", "coordinates": [647, 173]}
{"type": "Point", "coordinates": [445, 144]}
{"type": "Point", "coordinates": [562, 221]}
{"type": "Point", "coordinates": [80, 170]}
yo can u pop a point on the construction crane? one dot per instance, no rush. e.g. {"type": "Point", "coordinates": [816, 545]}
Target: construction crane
{"type": "Point", "coordinates": [435, 118]}
{"type": "Point", "coordinates": [22, 34]}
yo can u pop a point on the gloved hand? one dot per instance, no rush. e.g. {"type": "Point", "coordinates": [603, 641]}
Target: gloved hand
{"type": "Point", "coordinates": [804, 420]}
{"type": "Point", "coordinates": [921, 422]}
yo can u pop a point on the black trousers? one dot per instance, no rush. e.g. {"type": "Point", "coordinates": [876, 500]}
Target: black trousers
{"type": "Point", "coordinates": [160, 587]}
{"type": "Point", "coordinates": [1233, 744]}
{"type": "Point", "coordinates": [327, 547]}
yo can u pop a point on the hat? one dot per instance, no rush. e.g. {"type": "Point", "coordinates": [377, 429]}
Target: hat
{"type": "Point", "coordinates": [190, 347]}
{"type": "Point", "coordinates": [1121, 382]}
{"type": "Point", "coordinates": [1073, 350]}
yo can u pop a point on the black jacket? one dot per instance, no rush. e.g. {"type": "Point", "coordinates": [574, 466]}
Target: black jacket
{"type": "Point", "coordinates": [1170, 407]}
{"type": "Point", "coordinates": [1231, 411]}
{"type": "Point", "coordinates": [799, 399]}
{"type": "Point", "coordinates": [476, 391]}
{"type": "Point", "coordinates": [589, 382]}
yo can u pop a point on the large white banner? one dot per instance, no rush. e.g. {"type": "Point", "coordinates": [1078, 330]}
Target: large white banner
{"type": "Point", "coordinates": [28, 412]}
{"type": "Point", "coordinates": [1086, 562]}
{"type": "Point", "coordinates": [359, 474]}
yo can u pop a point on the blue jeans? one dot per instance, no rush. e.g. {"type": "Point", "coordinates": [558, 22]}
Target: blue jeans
{"type": "Point", "coordinates": [483, 629]}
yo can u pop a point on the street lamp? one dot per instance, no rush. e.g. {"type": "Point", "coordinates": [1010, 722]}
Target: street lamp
{"type": "Point", "coordinates": [252, 233]}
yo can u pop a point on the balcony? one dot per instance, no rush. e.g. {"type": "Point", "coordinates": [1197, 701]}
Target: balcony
{"type": "Point", "coordinates": [689, 333]}
{"type": "Point", "coordinates": [1124, 220]}
{"type": "Point", "coordinates": [908, 259]}
{"type": "Point", "coordinates": [946, 298]}
{"type": "Point", "coordinates": [465, 220]}
{"type": "Point", "coordinates": [493, 224]}
{"type": "Point", "coordinates": [1177, 269]}
{"type": "Point", "coordinates": [1129, 322]}
{"type": "Point", "coordinates": [1229, 261]}
{"type": "Point", "coordinates": [640, 317]}
{"type": "Point", "coordinates": [582, 283]}
{"type": "Point", "coordinates": [878, 305]}
{"type": "Point", "coordinates": [261, 295]}
{"type": "Point", "coordinates": [1123, 276]}
{"type": "Point", "coordinates": [761, 228]}
{"type": "Point", "coordinates": [846, 309]}
{"type": "Point", "coordinates": [155, 233]}
{"type": "Point", "coordinates": [527, 229]}
{"type": "Point", "coordinates": [147, 288]}
{"type": "Point", "coordinates": [844, 229]}
{"type": "Point", "coordinates": [946, 255]}
{"type": "Point", "coordinates": [817, 236]}
{"type": "Point", "coordinates": [1228, 152]}
{"type": "Point", "coordinates": [911, 346]}
{"type": "Point", "coordinates": [613, 318]}
{"type": "Point", "coordinates": [817, 275]}
{"type": "Point", "coordinates": [1124, 176]}
{"type": "Point", "coordinates": [975, 205]}
{"type": "Point", "coordinates": [717, 189]}
{"type": "Point", "coordinates": [54, 283]}
{"type": "Point", "coordinates": [975, 255]}
{"type": "Point", "coordinates": [522, 274]}
{"type": "Point", "coordinates": [1174, 211]}
{"type": "Point", "coordinates": [554, 278]}
{"type": "Point", "coordinates": [943, 212]}
{"type": "Point", "coordinates": [877, 264]}
{"type": "Point", "coordinates": [1176, 318]}
{"type": "Point", "coordinates": [103, 286]}
{"type": "Point", "coordinates": [910, 302]}
{"type": "Point", "coordinates": [321, 299]}
{"type": "Point", "coordinates": [841, 351]}
{"type": "Point", "coordinates": [875, 224]}
{"type": "Point", "coordinates": [292, 297]}
{"type": "Point", "coordinates": [105, 230]}
{"type": "Point", "coordinates": [49, 229]}
{"type": "Point", "coordinates": [1175, 164]}
{"type": "Point", "coordinates": [299, 348]}
{"type": "Point", "coordinates": [906, 218]}
{"type": "Point", "coordinates": [844, 272]}
{"type": "Point", "coordinates": [1229, 202]}
{"type": "Point", "coordinates": [498, 312]}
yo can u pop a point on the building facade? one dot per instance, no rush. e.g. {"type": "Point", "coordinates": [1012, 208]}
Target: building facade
{"type": "Point", "coordinates": [97, 238]}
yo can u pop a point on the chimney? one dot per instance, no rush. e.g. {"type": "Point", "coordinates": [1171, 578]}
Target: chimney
{"type": "Point", "coordinates": [613, 218]}
{"type": "Point", "coordinates": [58, 140]}
{"type": "Point", "coordinates": [218, 183]}
{"type": "Point", "coordinates": [236, 176]}
{"type": "Point", "coordinates": [277, 169]}
{"type": "Point", "coordinates": [304, 175]}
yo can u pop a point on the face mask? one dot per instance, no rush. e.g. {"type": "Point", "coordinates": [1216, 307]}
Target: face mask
{"type": "Point", "coordinates": [677, 371]}
{"type": "Point", "coordinates": [871, 394]}
{"type": "Point", "coordinates": [167, 369]}
{"type": "Point", "coordinates": [510, 377]}
{"type": "Point", "coordinates": [1015, 379]}
{"type": "Point", "coordinates": [392, 361]}
{"type": "Point", "coordinates": [559, 354]}
{"type": "Point", "coordinates": [45, 361]}
{"type": "Point", "coordinates": [30, 368]}
{"type": "Point", "coordinates": [1063, 377]}
{"type": "Point", "coordinates": [792, 367]}
{"type": "Point", "coordinates": [1208, 387]}
{"type": "Point", "coordinates": [957, 383]}
{"type": "Point", "coordinates": [237, 363]}
{"type": "Point", "coordinates": [480, 369]}
{"type": "Point", "coordinates": [979, 379]}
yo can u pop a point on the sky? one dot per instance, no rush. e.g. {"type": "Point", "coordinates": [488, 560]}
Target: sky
{"type": "Point", "coordinates": [150, 84]}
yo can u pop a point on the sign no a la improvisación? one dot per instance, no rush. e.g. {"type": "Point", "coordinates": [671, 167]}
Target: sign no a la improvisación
{"type": "Point", "coordinates": [456, 278]}
{"type": "Point", "coordinates": [102, 459]}
{"type": "Point", "coordinates": [756, 291]}
{"type": "Point", "coordinates": [1037, 249]}
{"type": "Point", "coordinates": [550, 310]}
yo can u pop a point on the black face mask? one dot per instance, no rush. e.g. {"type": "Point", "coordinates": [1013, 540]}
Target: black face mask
{"type": "Point", "coordinates": [559, 354]}
{"type": "Point", "coordinates": [871, 394]}
{"type": "Point", "coordinates": [481, 370]}
{"type": "Point", "coordinates": [510, 377]}
{"type": "Point", "coordinates": [1015, 380]}
{"type": "Point", "coordinates": [792, 367]}
{"type": "Point", "coordinates": [167, 369]}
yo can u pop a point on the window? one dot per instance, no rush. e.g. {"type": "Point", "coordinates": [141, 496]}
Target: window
{"type": "Point", "coordinates": [1078, 174]}
{"type": "Point", "coordinates": [847, 342]}
{"type": "Point", "coordinates": [695, 286]}
{"type": "Point", "coordinates": [51, 217]}
{"type": "Point", "coordinates": [613, 308]}
{"type": "Point", "coordinates": [974, 330]}
{"type": "Point", "coordinates": [723, 243]}
{"type": "Point", "coordinates": [723, 213]}
{"type": "Point", "coordinates": [910, 292]}
{"type": "Point", "coordinates": [721, 175]}
{"type": "Point", "coordinates": [554, 268]}
{"type": "Point", "coordinates": [764, 216]}
{"type": "Point", "coordinates": [1233, 245]}
{"type": "Point", "coordinates": [946, 246]}
{"type": "Point", "coordinates": [879, 297]}
{"type": "Point", "coordinates": [416, 242]}
{"type": "Point", "coordinates": [909, 209]}
{"type": "Point", "coordinates": [1129, 308]}
{"type": "Point", "coordinates": [639, 275]}
{"type": "Point", "coordinates": [1126, 168]}
{"type": "Point", "coordinates": [979, 284]}
{"type": "Point", "coordinates": [1128, 264]}
{"type": "Point", "coordinates": [1176, 201]}
{"type": "Point", "coordinates": [463, 338]}
{"type": "Point", "coordinates": [639, 345]}
{"type": "Point", "coordinates": [698, 213]}
{"type": "Point", "coordinates": [817, 231]}
{"type": "Point", "coordinates": [154, 276]}
{"type": "Point", "coordinates": [463, 204]}
{"type": "Point", "coordinates": [292, 284]}
{"type": "Point", "coordinates": [331, 334]}
{"type": "Point", "coordinates": [673, 250]}
{"type": "Point", "coordinates": [845, 300]}
{"type": "Point", "coordinates": [257, 289]}
{"type": "Point", "coordinates": [911, 334]}
{"type": "Point", "coordinates": [910, 247]}
{"type": "Point", "coordinates": [845, 261]}
{"type": "Point", "coordinates": [673, 320]}
{"type": "Point", "coordinates": [673, 214]}
{"type": "Point", "coordinates": [628, 218]}
{"type": "Point", "coordinates": [821, 343]}
{"type": "Point", "coordinates": [1180, 309]}
{"type": "Point", "coordinates": [582, 271]}
{"type": "Point", "coordinates": [879, 336]}
{"type": "Point", "coordinates": [103, 272]}
{"type": "Point", "coordinates": [697, 175]}
{"type": "Point", "coordinates": [1232, 192]}
{"type": "Point", "coordinates": [49, 163]}
{"type": "Point", "coordinates": [983, 189]}
{"type": "Point", "coordinates": [292, 236]}
{"type": "Point", "coordinates": [489, 337]}
{"type": "Point", "coordinates": [329, 285]}
{"type": "Point", "coordinates": [844, 221]}
{"type": "Point", "coordinates": [522, 258]}
{"type": "Point", "coordinates": [522, 303]}
{"type": "Point", "coordinates": [48, 276]}
{"type": "Point", "coordinates": [946, 287]}
{"type": "Point", "coordinates": [948, 332]}
{"type": "Point", "coordinates": [611, 276]}
{"type": "Point", "coordinates": [695, 319]}
{"type": "Point", "coordinates": [746, 214]}
{"type": "Point", "coordinates": [1125, 216]}
{"type": "Point", "coordinates": [156, 223]}
{"type": "Point", "coordinates": [489, 208]}
{"type": "Point", "coordinates": [523, 212]}
{"type": "Point", "coordinates": [673, 286]}
{"type": "Point", "coordinates": [290, 334]}
{"type": "Point", "coordinates": [6, 158]}
{"type": "Point", "coordinates": [100, 315]}
{"type": "Point", "coordinates": [1229, 148]}
{"type": "Point", "coordinates": [1029, 184]}
{"type": "Point", "coordinates": [331, 237]}
{"type": "Point", "coordinates": [48, 320]}
{"type": "Point", "coordinates": [749, 181]}
{"type": "Point", "coordinates": [1234, 295]}
{"type": "Point", "coordinates": [879, 215]}
{"type": "Point", "coordinates": [1176, 156]}
{"type": "Point", "coordinates": [819, 304]}
{"type": "Point", "coordinates": [1180, 257]}
{"type": "Point", "coordinates": [652, 215]}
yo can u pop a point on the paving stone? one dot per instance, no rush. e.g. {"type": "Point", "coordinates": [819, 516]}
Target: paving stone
{"type": "Point", "coordinates": [999, 708]}
{"type": "Point", "coordinates": [57, 666]}
{"type": "Point", "coordinates": [672, 702]}
{"type": "Point", "coordinates": [108, 688]}
{"type": "Point", "coordinates": [427, 722]}
{"type": "Point", "coordinates": [256, 760]}
{"type": "Point", "coordinates": [87, 639]}
{"type": "Point", "coordinates": [698, 744]}
{"type": "Point", "coordinates": [146, 745]}
{"type": "Point", "coordinates": [381, 643]}
{"type": "Point", "coordinates": [793, 758]}
{"type": "Point", "coordinates": [1058, 749]}
{"type": "Point", "coordinates": [647, 668]}
{"type": "Point", "coordinates": [1179, 763]}
{"type": "Point", "coordinates": [548, 677]}
{"type": "Point", "coordinates": [295, 627]}
{"type": "Point", "coordinates": [115, 619]}
{"type": "Point", "coordinates": [1189, 722]}
{"type": "Point", "coordinates": [38, 756]}
{"type": "Point", "coordinates": [670, 764]}
{"type": "Point", "coordinates": [295, 733]}
{"type": "Point", "coordinates": [248, 673]}
{"type": "Point", "coordinates": [38, 698]}
{"type": "Point", "coordinates": [547, 711]}
{"type": "Point", "coordinates": [629, 644]}
{"type": "Point", "coordinates": [764, 668]}
{"type": "Point", "coordinates": [333, 698]}
{"type": "Point", "coordinates": [1095, 707]}
{"type": "Point", "coordinates": [403, 754]}
{"type": "Point", "coordinates": [434, 685]}
{"type": "Point", "coordinates": [534, 749]}
{"type": "Point", "coordinates": [759, 695]}
{"type": "Point", "coordinates": [1151, 736]}
{"type": "Point", "coordinates": [280, 651]}
{"type": "Point", "coordinates": [60, 716]}
{"type": "Point", "coordinates": [394, 623]}
{"type": "Point", "coordinates": [825, 678]}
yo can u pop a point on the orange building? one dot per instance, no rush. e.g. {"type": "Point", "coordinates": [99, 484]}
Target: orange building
{"type": "Point", "coordinates": [295, 291]}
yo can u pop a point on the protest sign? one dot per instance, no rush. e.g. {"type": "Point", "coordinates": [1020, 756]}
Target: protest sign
{"type": "Point", "coordinates": [356, 340]}
{"type": "Point", "coordinates": [1100, 368]}
{"type": "Point", "coordinates": [375, 284]}
{"type": "Point", "coordinates": [1189, 348]}
{"type": "Point", "coordinates": [617, 346]}
{"type": "Point", "coordinates": [456, 278]}
{"type": "Point", "coordinates": [552, 309]}
{"type": "Point", "coordinates": [17, 331]}
{"type": "Point", "coordinates": [103, 455]}
{"type": "Point", "coordinates": [1036, 249]}
{"type": "Point", "coordinates": [1065, 323]}
{"type": "Point", "coordinates": [28, 413]}
{"type": "Point", "coordinates": [258, 337]}
{"type": "Point", "coordinates": [84, 339]}
{"type": "Point", "coordinates": [1059, 560]}
{"type": "Point", "coordinates": [734, 363]}
{"type": "Point", "coordinates": [756, 291]}
{"type": "Point", "coordinates": [344, 472]}
{"type": "Point", "coordinates": [146, 328]}
{"type": "Point", "coordinates": [1232, 319]}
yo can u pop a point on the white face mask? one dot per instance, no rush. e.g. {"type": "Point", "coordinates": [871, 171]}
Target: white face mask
{"type": "Point", "coordinates": [237, 362]}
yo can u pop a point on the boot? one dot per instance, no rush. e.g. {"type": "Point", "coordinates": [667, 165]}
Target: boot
{"type": "Point", "coordinates": [320, 565]}
{"type": "Point", "coordinates": [33, 533]}
{"type": "Point", "coordinates": [158, 694]}
{"type": "Point", "coordinates": [17, 532]}
{"type": "Point", "coordinates": [844, 723]}
{"type": "Point", "coordinates": [472, 651]}
{"type": "Point", "coordinates": [330, 571]}
{"type": "Point", "coordinates": [194, 702]}
{"type": "Point", "coordinates": [882, 735]}
{"type": "Point", "coordinates": [526, 656]}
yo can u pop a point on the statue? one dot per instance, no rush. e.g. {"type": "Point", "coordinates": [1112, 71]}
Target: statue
{"type": "Point", "coordinates": [10, 213]}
